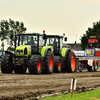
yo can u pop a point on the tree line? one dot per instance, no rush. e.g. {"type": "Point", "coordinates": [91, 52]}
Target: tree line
{"type": "Point", "coordinates": [8, 27]}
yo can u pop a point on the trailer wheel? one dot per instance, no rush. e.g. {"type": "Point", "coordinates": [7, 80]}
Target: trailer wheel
{"type": "Point", "coordinates": [49, 62]}
{"type": "Point", "coordinates": [20, 69]}
{"type": "Point", "coordinates": [6, 63]}
{"type": "Point", "coordinates": [91, 68]}
{"type": "Point", "coordinates": [96, 66]}
{"type": "Point", "coordinates": [35, 64]}
{"type": "Point", "coordinates": [57, 64]}
{"type": "Point", "coordinates": [71, 62]}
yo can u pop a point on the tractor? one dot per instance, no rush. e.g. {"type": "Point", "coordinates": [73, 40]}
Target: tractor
{"type": "Point", "coordinates": [29, 54]}
{"type": "Point", "coordinates": [64, 58]}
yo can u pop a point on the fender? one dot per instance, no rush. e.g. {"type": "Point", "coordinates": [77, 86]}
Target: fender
{"type": "Point", "coordinates": [44, 51]}
{"type": "Point", "coordinates": [64, 51]}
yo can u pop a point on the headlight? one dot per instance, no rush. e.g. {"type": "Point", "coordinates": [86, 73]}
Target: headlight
{"type": "Point", "coordinates": [17, 53]}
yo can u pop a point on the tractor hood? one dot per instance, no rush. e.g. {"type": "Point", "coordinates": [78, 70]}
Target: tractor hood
{"type": "Point", "coordinates": [23, 50]}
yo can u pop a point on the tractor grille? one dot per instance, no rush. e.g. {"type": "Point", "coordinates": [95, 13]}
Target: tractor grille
{"type": "Point", "coordinates": [19, 50]}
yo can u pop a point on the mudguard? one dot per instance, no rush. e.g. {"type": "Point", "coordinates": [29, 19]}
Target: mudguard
{"type": "Point", "coordinates": [64, 51]}
{"type": "Point", "coordinates": [45, 49]}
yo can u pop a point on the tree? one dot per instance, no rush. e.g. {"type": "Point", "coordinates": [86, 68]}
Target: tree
{"type": "Point", "coordinates": [10, 26]}
{"type": "Point", "coordinates": [95, 31]}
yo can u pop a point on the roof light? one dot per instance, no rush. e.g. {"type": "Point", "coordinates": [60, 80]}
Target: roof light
{"type": "Point", "coordinates": [43, 31]}
{"type": "Point", "coordinates": [20, 30]}
{"type": "Point", "coordinates": [63, 34]}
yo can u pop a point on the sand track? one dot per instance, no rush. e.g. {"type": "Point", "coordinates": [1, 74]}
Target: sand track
{"type": "Point", "coordinates": [21, 86]}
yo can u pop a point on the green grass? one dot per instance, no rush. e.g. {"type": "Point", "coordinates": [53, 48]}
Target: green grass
{"type": "Point", "coordinates": [89, 95]}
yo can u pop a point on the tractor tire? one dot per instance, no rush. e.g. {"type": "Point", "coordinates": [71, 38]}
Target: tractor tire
{"type": "Point", "coordinates": [57, 64]}
{"type": "Point", "coordinates": [35, 64]}
{"type": "Point", "coordinates": [96, 66]}
{"type": "Point", "coordinates": [71, 62]}
{"type": "Point", "coordinates": [64, 64]}
{"type": "Point", "coordinates": [49, 63]}
{"type": "Point", "coordinates": [91, 68]}
{"type": "Point", "coordinates": [20, 69]}
{"type": "Point", "coordinates": [6, 63]}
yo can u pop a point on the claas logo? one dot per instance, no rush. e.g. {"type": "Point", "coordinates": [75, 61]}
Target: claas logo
{"type": "Point", "coordinates": [88, 52]}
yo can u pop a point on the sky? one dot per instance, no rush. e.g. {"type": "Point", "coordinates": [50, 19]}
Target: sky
{"type": "Point", "coordinates": [72, 17]}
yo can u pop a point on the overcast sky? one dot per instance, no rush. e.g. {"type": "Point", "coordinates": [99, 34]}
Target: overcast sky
{"type": "Point", "coordinates": [54, 16]}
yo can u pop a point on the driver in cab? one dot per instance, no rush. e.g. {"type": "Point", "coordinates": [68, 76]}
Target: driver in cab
{"type": "Point", "coordinates": [32, 42]}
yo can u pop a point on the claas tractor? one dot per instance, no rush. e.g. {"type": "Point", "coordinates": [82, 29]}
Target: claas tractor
{"type": "Point", "coordinates": [29, 53]}
{"type": "Point", "coordinates": [64, 58]}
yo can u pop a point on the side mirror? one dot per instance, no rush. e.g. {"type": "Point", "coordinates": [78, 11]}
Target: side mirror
{"type": "Point", "coordinates": [65, 39]}
{"type": "Point", "coordinates": [11, 36]}
{"type": "Point", "coordinates": [44, 36]}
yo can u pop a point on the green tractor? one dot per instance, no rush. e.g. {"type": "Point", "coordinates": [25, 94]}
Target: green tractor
{"type": "Point", "coordinates": [29, 53]}
{"type": "Point", "coordinates": [64, 58]}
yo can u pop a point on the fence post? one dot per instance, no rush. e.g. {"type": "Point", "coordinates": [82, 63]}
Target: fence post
{"type": "Point", "coordinates": [73, 86]}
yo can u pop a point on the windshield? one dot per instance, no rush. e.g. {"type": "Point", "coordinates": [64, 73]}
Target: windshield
{"type": "Point", "coordinates": [28, 39]}
{"type": "Point", "coordinates": [50, 41]}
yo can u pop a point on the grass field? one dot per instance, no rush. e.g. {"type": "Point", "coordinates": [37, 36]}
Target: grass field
{"type": "Point", "coordinates": [89, 95]}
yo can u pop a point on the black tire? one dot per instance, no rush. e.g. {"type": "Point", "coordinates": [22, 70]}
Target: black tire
{"type": "Point", "coordinates": [20, 69]}
{"type": "Point", "coordinates": [6, 63]}
{"type": "Point", "coordinates": [49, 63]}
{"type": "Point", "coordinates": [91, 68]}
{"type": "Point", "coordinates": [35, 64]}
{"type": "Point", "coordinates": [57, 64]}
{"type": "Point", "coordinates": [96, 66]}
{"type": "Point", "coordinates": [71, 62]}
{"type": "Point", "coordinates": [64, 63]}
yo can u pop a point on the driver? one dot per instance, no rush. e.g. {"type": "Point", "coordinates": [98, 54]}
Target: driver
{"type": "Point", "coordinates": [32, 42]}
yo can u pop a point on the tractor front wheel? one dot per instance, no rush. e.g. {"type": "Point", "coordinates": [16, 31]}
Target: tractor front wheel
{"type": "Point", "coordinates": [35, 64]}
{"type": "Point", "coordinates": [57, 64]}
{"type": "Point", "coordinates": [49, 62]}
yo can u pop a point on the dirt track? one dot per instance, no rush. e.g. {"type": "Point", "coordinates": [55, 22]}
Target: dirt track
{"type": "Point", "coordinates": [21, 86]}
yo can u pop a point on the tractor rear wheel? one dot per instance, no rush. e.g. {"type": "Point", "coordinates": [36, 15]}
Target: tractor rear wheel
{"type": "Point", "coordinates": [49, 62]}
{"type": "Point", "coordinates": [71, 62]}
{"type": "Point", "coordinates": [20, 69]}
{"type": "Point", "coordinates": [57, 64]}
{"type": "Point", "coordinates": [6, 63]}
{"type": "Point", "coordinates": [35, 64]}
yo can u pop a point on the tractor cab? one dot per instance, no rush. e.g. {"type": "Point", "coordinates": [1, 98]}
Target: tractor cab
{"type": "Point", "coordinates": [55, 41]}
{"type": "Point", "coordinates": [28, 44]}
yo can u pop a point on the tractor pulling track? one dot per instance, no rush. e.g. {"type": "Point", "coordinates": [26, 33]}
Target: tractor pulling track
{"type": "Point", "coordinates": [23, 86]}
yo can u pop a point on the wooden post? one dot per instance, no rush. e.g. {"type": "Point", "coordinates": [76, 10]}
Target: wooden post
{"type": "Point", "coordinates": [73, 86]}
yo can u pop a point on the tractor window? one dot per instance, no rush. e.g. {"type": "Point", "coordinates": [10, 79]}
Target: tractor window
{"type": "Point", "coordinates": [46, 42]}
{"type": "Point", "coordinates": [50, 41]}
{"type": "Point", "coordinates": [61, 43]}
{"type": "Point", "coordinates": [27, 40]}
{"type": "Point", "coordinates": [33, 40]}
{"type": "Point", "coordinates": [40, 41]}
